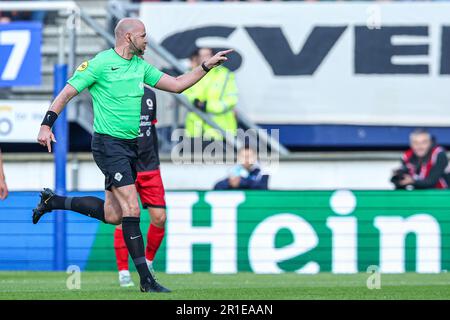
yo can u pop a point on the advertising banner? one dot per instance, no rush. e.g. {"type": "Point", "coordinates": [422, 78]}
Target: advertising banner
{"type": "Point", "coordinates": [322, 63]}
{"type": "Point", "coordinates": [20, 120]}
{"type": "Point", "coordinates": [20, 54]}
{"type": "Point", "coordinates": [299, 231]}
{"type": "Point", "coordinates": [304, 232]}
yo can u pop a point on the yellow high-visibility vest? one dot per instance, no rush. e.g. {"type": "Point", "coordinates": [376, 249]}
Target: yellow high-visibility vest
{"type": "Point", "coordinates": [218, 88]}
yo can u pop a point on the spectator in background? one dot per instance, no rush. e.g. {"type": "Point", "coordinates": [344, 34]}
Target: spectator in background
{"type": "Point", "coordinates": [423, 165]}
{"type": "Point", "coordinates": [246, 174]}
{"type": "Point", "coordinates": [10, 16]}
{"type": "Point", "coordinates": [3, 186]}
{"type": "Point", "coordinates": [4, 18]}
{"type": "Point", "coordinates": [216, 94]}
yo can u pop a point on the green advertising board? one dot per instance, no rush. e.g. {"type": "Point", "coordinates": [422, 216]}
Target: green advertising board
{"type": "Point", "coordinates": [297, 231]}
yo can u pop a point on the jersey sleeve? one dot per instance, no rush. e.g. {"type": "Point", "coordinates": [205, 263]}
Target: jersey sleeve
{"type": "Point", "coordinates": [152, 75]}
{"type": "Point", "coordinates": [86, 74]}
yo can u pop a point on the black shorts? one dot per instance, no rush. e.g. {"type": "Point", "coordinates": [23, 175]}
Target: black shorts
{"type": "Point", "coordinates": [116, 158]}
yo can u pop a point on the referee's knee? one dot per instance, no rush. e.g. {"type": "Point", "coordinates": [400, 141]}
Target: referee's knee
{"type": "Point", "coordinates": [115, 220]}
{"type": "Point", "coordinates": [133, 210]}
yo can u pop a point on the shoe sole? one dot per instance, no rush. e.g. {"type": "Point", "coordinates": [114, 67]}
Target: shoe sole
{"type": "Point", "coordinates": [37, 213]}
{"type": "Point", "coordinates": [153, 291]}
{"type": "Point", "coordinates": [127, 285]}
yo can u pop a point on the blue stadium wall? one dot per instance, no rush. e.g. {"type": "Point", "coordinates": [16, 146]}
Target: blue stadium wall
{"type": "Point", "coordinates": [24, 246]}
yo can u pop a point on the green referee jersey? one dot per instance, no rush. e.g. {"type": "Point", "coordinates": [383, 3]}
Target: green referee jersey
{"type": "Point", "coordinates": [116, 86]}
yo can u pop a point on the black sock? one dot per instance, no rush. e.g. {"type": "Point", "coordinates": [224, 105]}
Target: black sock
{"type": "Point", "coordinates": [135, 244]}
{"type": "Point", "coordinates": [89, 206]}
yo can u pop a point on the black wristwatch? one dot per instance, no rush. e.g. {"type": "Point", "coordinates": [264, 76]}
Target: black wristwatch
{"type": "Point", "coordinates": [205, 68]}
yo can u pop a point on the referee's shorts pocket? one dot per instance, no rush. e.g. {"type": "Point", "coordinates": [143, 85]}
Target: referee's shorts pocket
{"type": "Point", "coordinates": [98, 152]}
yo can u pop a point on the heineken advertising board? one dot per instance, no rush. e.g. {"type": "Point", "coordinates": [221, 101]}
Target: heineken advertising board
{"type": "Point", "coordinates": [297, 231]}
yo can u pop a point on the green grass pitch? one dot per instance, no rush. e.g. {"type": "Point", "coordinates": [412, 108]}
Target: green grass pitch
{"type": "Point", "coordinates": [242, 286]}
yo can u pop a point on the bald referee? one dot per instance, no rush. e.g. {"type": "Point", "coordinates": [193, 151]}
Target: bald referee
{"type": "Point", "coordinates": [115, 79]}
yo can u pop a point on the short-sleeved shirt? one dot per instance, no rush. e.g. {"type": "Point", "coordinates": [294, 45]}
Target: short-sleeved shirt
{"type": "Point", "coordinates": [116, 86]}
{"type": "Point", "coordinates": [148, 157]}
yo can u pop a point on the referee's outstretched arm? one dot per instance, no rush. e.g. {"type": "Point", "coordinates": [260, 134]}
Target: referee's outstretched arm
{"type": "Point", "coordinates": [187, 80]}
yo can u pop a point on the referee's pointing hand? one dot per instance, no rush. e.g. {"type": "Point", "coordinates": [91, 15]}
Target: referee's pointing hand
{"type": "Point", "coordinates": [219, 58]}
{"type": "Point", "coordinates": [45, 137]}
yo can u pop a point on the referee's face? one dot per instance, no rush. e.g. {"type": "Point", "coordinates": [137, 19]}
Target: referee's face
{"type": "Point", "coordinates": [138, 40]}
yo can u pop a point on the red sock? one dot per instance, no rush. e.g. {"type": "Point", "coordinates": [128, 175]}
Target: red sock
{"type": "Point", "coordinates": [121, 250]}
{"type": "Point", "coordinates": [155, 236]}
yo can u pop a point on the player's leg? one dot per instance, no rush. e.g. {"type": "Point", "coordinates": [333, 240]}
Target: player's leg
{"type": "Point", "coordinates": [154, 238]}
{"type": "Point", "coordinates": [151, 192]}
{"type": "Point", "coordinates": [107, 211]}
{"type": "Point", "coordinates": [127, 197]}
{"type": "Point", "coordinates": [155, 233]}
{"type": "Point", "coordinates": [121, 252]}
{"type": "Point", "coordinates": [88, 206]}
{"type": "Point", "coordinates": [120, 248]}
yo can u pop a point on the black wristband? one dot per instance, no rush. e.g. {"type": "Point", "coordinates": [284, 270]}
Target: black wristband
{"type": "Point", "coordinates": [205, 68]}
{"type": "Point", "coordinates": [49, 119]}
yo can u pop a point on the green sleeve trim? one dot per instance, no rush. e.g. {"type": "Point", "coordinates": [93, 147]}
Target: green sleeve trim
{"type": "Point", "coordinates": [152, 74]}
{"type": "Point", "coordinates": [74, 84]}
{"type": "Point", "coordinates": [158, 78]}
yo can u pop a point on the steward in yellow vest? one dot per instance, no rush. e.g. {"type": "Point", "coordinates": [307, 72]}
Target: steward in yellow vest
{"type": "Point", "coordinates": [217, 95]}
